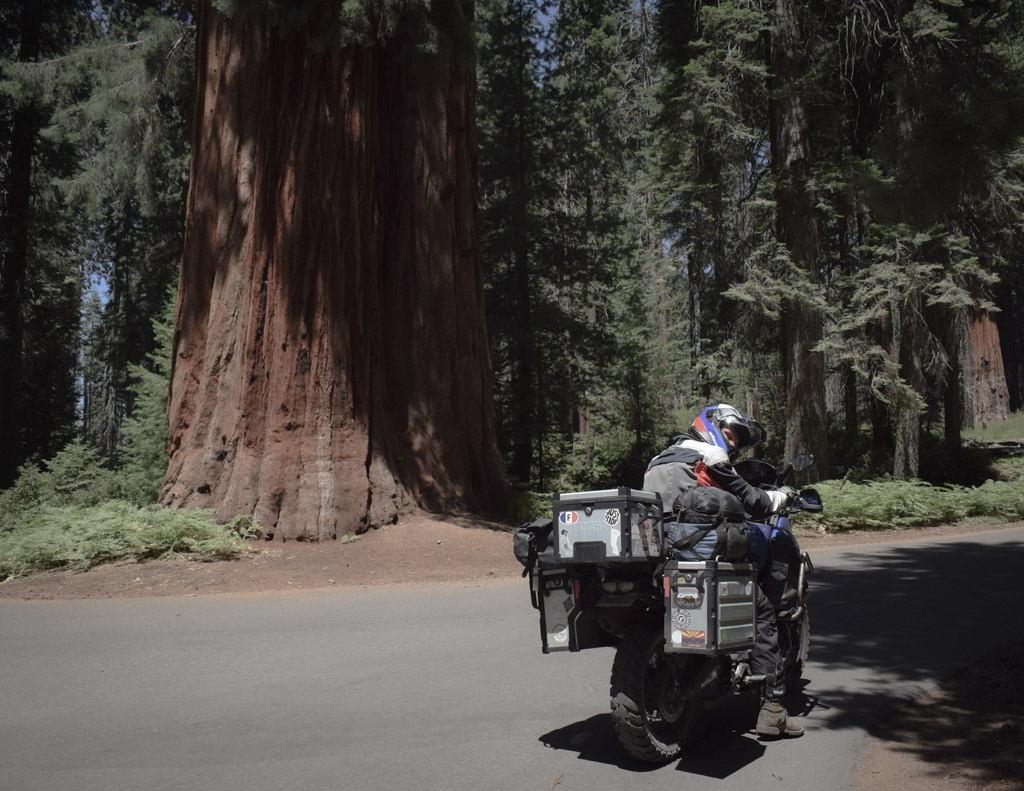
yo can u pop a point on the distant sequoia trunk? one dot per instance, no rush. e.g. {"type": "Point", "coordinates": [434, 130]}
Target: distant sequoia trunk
{"type": "Point", "coordinates": [990, 397]}
{"type": "Point", "coordinates": [331, 367]}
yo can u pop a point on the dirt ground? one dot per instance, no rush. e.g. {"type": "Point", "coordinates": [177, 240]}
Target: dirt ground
{"type": "Point", "coordinates": [966, 736]}
{"type": "Point", "coordinates": [420, 549]}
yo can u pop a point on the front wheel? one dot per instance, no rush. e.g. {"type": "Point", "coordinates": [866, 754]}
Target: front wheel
{"type": "Point", "coordinates": [653, 718]}
{"type": "Point", "coordinates": [797, 637]}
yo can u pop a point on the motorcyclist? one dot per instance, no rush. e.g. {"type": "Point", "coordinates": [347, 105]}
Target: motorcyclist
{"type": "Point", "coordinates": [704, 457]}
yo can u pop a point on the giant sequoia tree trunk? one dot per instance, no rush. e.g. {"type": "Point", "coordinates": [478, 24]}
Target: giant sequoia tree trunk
{"type": "Point", "coordinates": [330, 358]}
{"type": "Point", "coordinates": [806, 418]}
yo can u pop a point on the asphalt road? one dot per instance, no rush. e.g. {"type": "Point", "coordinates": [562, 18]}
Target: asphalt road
{"type": "Point", "coordinates": [446, 688]}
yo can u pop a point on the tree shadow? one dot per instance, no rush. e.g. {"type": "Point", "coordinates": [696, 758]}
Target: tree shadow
{"type": "Point", "coordinates": [971, 726]}
{"type": "Point", "coordinates": [910, 615]}
{"type": "Point", "coordinates": [915, 611]}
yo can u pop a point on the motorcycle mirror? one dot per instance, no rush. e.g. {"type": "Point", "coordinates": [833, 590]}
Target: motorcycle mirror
{"type": "Point", "coordinates": [803, 461]}
{"type": "Point", "coordinates": [811, 501]}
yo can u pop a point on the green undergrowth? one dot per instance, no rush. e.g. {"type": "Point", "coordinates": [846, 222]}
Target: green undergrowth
{"type": "Point", "coordinates": [73, 511]}
{"type": "Point", "coordinates": [1009, 429]}
{"type": "Point", "coordinates": [881, 504]}
{"type": "Point", "coordinates": [54, 536]}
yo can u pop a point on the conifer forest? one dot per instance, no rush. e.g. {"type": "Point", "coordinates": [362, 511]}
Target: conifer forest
{"type": "Point", "coordinates": [320, 262]}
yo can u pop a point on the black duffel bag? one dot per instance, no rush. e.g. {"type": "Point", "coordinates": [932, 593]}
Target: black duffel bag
{"type": "Point", "coordinates": [707, 509]}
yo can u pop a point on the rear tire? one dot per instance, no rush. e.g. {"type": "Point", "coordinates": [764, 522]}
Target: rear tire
{"type": "Point", "coordinates": [652, 720]}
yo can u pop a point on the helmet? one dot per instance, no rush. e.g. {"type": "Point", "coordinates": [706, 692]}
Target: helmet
{"type": "Point", "coordinates": [709, 423]}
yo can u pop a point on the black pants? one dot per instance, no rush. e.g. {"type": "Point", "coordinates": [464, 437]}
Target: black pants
{"type": "Point", "coordinates": [766, 657]}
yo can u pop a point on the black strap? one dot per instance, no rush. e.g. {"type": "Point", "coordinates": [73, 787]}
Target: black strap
{"type": "Point", "coordinates": [531, 553]}
{"type": "Point", "coordinates": [695, 538]}
{"type": "Point", "coordinates": [532, 530]}
{"type": "Point", "coordinates": [690, 541]}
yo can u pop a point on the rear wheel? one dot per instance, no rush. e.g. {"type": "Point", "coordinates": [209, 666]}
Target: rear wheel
{"type": "Point", "coordinates": [653, 719]}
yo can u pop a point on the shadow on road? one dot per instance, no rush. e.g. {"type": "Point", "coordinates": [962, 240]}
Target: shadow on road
{"type": "Point", "coordinates": [904, 608]}
{"type": "Point", "coordinates": [724, 740]}
{"type": "Point", "coordinates": [912, 614]}
{"type": "Point", "coordinates": [916, 614]}
{"type": "Point", "coordinates": [716, 750]}
{"type": "Point", "coordinates": [971, 728]}
{"type": "Point", "coordinates": [594, 740]}
{"type": "Point", "coordinates": [904, 616]}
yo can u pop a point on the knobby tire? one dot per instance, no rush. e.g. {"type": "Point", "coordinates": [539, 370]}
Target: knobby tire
{"type": "Point", "coordinates": [643, 729]}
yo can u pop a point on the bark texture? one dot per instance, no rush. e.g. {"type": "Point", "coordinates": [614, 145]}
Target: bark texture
{"type": "Point", "coordinates": [330, 359]}
{"type": "Point", "coordinates": [908, 332]}
{"type": "Point", "coordinates": [991, 398]}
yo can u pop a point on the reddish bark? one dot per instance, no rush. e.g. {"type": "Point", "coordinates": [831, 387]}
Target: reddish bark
{"type": "Point", "coordinates": [330, 358]}
{"type": "Point", "coordinates": [990, 395]}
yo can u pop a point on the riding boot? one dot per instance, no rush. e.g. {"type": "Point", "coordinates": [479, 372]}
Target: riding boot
{"type": "Point", "coordinates": [773, 720]}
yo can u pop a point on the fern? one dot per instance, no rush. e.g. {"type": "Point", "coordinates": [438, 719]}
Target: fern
{"type": "Point", "coordinates": [53, 536]}
{"type": "Point", "coordinates": [885, 504]}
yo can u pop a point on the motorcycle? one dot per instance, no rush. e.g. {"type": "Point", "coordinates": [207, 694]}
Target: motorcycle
{"type": "Point", "coordinates": [602, 573]}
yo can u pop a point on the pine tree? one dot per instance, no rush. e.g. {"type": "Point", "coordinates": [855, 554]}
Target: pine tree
{"type": "Point", "coordinates": [511, 124]}
{"type": "Point", "coordinates": [130, 124]}
{"type": "Point", "coordinates": [931, 83]}
{"type": "Point", "coordinates": [108, 92]}
{"type": "Point", "coordinates": [564, 109]}
{"type": "Point", "coordinates": [38, 285]}
{"type": "Point", "coordinates": [716, 195]}
{"type": "Point", "coordinates": [144, 452]}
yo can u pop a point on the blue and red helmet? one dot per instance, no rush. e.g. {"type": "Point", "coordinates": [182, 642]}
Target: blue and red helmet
{"type": "Point", "coordinates": [708, 426]}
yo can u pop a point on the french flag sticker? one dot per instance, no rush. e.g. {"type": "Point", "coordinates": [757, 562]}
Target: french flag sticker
{"type": "Point", "coordinates": [568, 517]}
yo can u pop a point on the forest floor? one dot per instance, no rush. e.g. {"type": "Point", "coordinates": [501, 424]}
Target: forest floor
{"type": "Point", "coordinates": [967, 733]}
